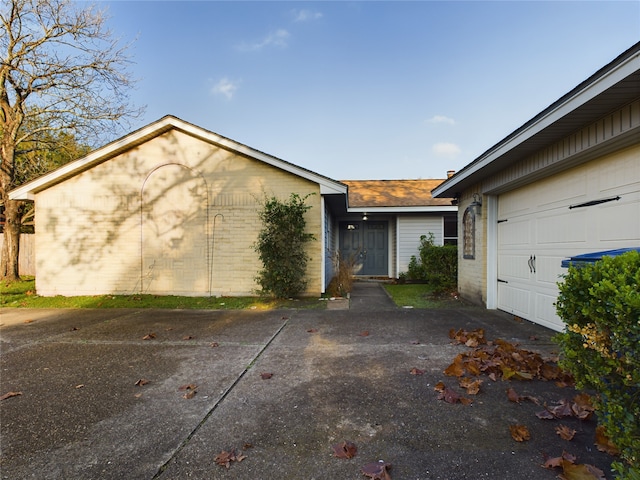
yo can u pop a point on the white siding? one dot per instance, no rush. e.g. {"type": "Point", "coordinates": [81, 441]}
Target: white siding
{"type": "Point", "coordinates": [410, 229]}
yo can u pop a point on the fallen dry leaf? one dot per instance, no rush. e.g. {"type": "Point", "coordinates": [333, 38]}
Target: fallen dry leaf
{"type": "Point", "coordinates": [451, 396]}
{"type": "Point", "coordinates": [345, 449]}
{"type": "Point", "coordinates": [457, 368]}
{"type": "Point", "coordinates": [603, 443]}
{"type": "Point", "coordinates": [188, 337]}
{"type": "Point", "coordinates": [556, 462]}
{"type": "Point", "coordinates": [141, 382]}
{"type": "Point", "coordinates": [513, 396]}
{"type": "Point", "coordinates": [312, 330]}
{"type": "Point", "coordinates": [149, 336]}
{"type": "Point", "coordinates": [213, 344]}
{"type": "Point", "coordinates": [414, 342]}
{"type": "Point", "coordinates": [266, 375]}
{"type": "Point", "coordinates": [416, 371]}
{"type": "Point", "coordinates": [9, 395]}
{"type": "Point", "coordinates": [571, 471]}
{"type": "Point", "coordinates": [377, 470]}
{"type": "Point", "coordinates": [582, 407]}
{"type": "Point", "coordinates": [520, 433]}
{"type": "Point", "coordinates": [565, 432]}
{"type": "Point", "coordinates": [187, 386]}
{"type": "Point", "coordinates": [225, 458]}
{"type": "Point", "coordinates": [80, 385]}
{"type": "Point", "coordinates": [189, 394]}
{"type": "Point", "coordinates": [472, 386]}
{"type": "Point", "coordinates": [364, 333]}
{"type": "Point", "coordinates": [471, 338]}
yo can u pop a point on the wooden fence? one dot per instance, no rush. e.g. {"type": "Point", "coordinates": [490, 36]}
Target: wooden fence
{"type": "Point", "coordinates": [27, 258]}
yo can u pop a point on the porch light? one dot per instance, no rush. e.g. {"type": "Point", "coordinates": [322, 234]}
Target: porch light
{"type": "Point", "coordinates": [476, 205]}
{"type": "Point", "coordinates": [364, 217]}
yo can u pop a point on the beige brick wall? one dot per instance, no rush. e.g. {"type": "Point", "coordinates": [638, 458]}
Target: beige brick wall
{"type": "Point", "coordinates": [94, 238]}
{"type": "Point", "coordinates": [472, 273]}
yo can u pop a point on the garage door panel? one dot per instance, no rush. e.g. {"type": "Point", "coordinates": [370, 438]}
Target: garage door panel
{"type": "Point", "coordinates": [515, 233]}
{"type": "Point", "coordinates": [561, 228]}
{"type": "Point", "coordinates": [549, 270]}
{"type": "Point", "coordinates": [514, 300]}
{"type": "Point", "coordinates": [616, 222]}
{"type": "Point", "coordinates": [514, 267]}
{"type": "Point", "coordinates": [545, 310]}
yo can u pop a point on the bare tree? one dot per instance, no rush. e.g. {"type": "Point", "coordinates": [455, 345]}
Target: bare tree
{"type": "Point", "coordinates": [62, 72]}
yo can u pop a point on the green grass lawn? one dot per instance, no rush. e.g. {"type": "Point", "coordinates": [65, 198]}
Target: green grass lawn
{"type": "Point", "coordinates": [22, 295]}
{"type": "Point", "coordinates": [420, 295]}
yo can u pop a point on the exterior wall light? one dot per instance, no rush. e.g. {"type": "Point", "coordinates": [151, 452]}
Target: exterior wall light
{"type": "Point", "coordinates": [476, 205]}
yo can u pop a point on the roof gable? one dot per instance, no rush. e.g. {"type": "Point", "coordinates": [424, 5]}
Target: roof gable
{"type": "Point", "coordinates": [155, 129]}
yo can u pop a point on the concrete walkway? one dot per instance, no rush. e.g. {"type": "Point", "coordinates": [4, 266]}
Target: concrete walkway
{"type": "Point", "coordinates": [157, 394]}
{"type": "Point", "coordinates": [370, 297]}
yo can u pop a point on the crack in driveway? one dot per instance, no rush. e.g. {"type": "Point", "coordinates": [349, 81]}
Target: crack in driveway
{"type": "Point", "coordinates": [224, 395]}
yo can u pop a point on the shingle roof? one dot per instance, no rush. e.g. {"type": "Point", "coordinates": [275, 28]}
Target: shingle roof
{"type": "Point", "coordinates": [394, 193]}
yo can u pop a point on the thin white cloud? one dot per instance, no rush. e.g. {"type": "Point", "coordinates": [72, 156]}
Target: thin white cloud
{"type": "Point", "coordinates": [305, 15]}
{"type": "Point", "coordinates": [442, 119]}
{"type": "Point", "coordinates": [279, 38]}
{"type": "Point", "coordinates": [225, 87]}
{"type": "Point", "coordinates": [444, 149]}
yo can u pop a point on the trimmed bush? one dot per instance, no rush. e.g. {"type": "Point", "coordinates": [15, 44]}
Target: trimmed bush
{"type": "Point", "coordinates": [281, 246]}
{"type": "Point", "coordinates": [600, 346]}
{"type": "Point", "coordinates": [436, 265]}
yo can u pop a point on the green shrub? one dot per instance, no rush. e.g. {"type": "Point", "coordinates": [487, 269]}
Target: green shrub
{"type": "Point", "coordinates": [600, 305]}
{"type": "Point", "coordinates": [436, 265]}
{"type": "Point", "coordinates": [281, 246]}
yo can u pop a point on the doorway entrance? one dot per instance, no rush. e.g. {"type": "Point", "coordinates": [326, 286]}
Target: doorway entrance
{"type": "Point", "coordinates": [367, 243]}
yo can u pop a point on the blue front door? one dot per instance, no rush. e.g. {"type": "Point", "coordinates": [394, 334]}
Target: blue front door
{"type": "Point", "coordinates": [366, 243]}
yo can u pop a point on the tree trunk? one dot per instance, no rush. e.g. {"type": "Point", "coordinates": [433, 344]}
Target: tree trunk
{"type": "Point", "coordinates": [11, 246]}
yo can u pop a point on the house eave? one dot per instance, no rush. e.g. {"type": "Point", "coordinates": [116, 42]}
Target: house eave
{"type": "Point", "coordinates": [28, 190]}
{"type": "Point", "coordinates": [609, 88]}
{"type": "Point", "coordinates": [414, 209]}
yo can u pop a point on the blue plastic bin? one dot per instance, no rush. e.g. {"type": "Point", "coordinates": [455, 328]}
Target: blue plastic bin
{"type": "Point", "coordinates": [588, 258]}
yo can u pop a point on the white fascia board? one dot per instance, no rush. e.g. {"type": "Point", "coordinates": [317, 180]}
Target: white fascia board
{"type": "Point", "coordinates": [28, 190]}
{"type": "Point", "coordinates": [327, 186]}
{"type": "Point", "coordinates": [589, 92]}
{"type": "Point", "coordinates": [425, 209]}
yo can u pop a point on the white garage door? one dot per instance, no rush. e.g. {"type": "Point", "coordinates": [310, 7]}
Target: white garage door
{"type": "Point", "coordinates": [589, 208]}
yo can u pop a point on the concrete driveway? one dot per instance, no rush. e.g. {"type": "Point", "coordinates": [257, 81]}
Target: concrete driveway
{"type": "Point", "coordinates": [101, 396]}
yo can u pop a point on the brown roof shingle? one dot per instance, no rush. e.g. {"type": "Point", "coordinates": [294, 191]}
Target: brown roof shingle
{"type": "Point", "coordinates": [394, 193]}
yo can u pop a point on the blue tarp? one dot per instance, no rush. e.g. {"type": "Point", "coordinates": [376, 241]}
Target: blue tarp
{"type": "Point", "coordinates": [588, 258]}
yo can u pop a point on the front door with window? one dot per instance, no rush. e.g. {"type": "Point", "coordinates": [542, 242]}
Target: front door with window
{"type": "Point", "coordinates": [366, 243]}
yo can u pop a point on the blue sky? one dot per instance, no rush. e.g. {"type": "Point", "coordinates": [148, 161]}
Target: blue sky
{"type": "Point", "coordinates": [366, 90]}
